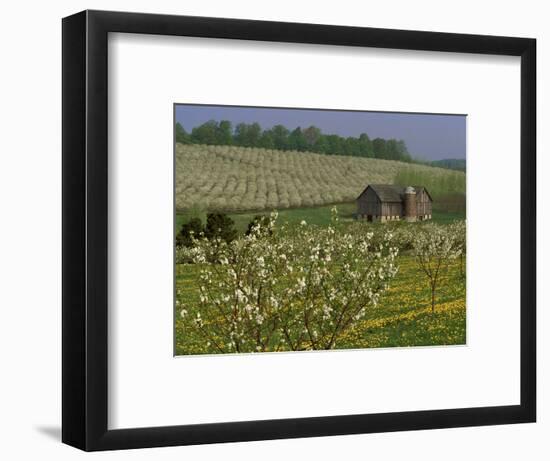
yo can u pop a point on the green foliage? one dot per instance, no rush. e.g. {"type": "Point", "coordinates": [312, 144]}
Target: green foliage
{"type": "Point", "coordinates": [451, 164]}
{"type": "Point", "coordinates": [189, 232]}
{"type": "Point", "coordinates": [279, 133]}
{"type": "Point", "coordinates": [437, 185]}
{"type": "Point", "coordinates": [224, 133]}
{"type": "Point", "coordinates": [312, 135]}
{"type": "Point", "coordinates": [213, 132]}
{"type": "Point", "coordinates": [247, 135]}
{"type": "Point", "coordinates": [297, 140]}
{"type": "Point", "coordinates": [220, 225]}
{"type": "Point", "coordinates": [310, 139]}
{"type": "Point", "coordinates": [379, 147]}
{"type": "Point", "coordinates": [279, 137]}
{"type": "Point", "coordinates": [206, 133]}
{"type": "Point", "coordinates": [181, 135]}
{"type": "Point", "coordinates": [448, 190]}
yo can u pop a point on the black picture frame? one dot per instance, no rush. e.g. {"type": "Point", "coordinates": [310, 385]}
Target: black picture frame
{"type": "Point", "coordinates": [85, 219]}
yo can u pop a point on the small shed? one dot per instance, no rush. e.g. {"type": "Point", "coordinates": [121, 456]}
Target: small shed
{"type": "Point", "coordinates": [389, 202]}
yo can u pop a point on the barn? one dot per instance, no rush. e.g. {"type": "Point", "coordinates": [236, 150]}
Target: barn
{"type": "Point", "coordinates": [388, 202]}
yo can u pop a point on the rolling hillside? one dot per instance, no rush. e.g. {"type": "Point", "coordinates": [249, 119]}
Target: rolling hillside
{"type": "Point", "coordinates": [451, 164]}
{"type": "Point", "coordinates": [227, 178]}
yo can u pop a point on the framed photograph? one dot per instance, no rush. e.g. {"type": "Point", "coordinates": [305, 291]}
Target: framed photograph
{"type": "Point", "coordinates": [279, 230]}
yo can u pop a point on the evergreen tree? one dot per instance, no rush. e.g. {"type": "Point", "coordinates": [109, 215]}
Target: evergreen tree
{"type": "Point", "coordinates": [220, 225]}
{"type": "Point", "coordinates": [189, 231]}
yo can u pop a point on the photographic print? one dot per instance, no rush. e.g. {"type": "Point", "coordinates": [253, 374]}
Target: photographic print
{"type": "Point", "coordinates": [316, 229]}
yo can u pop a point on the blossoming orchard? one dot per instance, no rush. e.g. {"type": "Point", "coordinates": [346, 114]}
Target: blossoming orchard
{"type": "Point", "coordinates": [315, 230]}
{"type": "Point", "coordinates": [299, 287]}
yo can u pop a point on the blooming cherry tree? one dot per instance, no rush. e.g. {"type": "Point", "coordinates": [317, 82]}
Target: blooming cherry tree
{"type": "Point", "coordinates": [290, 288]}
{"type": "Point", "coordinates": [434, 247]}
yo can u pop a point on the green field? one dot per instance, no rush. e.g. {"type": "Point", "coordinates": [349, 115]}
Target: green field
{"type": "Point", "coordinates": [403, 317]}
{"type": "Point", "coordinates": [319, 215]}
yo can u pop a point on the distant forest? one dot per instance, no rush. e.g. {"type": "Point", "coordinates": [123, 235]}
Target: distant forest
{"type": "Point", "coordinates": [279, 137]}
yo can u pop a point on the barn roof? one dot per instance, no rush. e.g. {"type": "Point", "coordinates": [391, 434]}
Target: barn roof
{"type": "Point", "coordinates": [388, 192]}
{"type": "Point", "coordinates": [422, 188]}
{"type": "Point", "coordinates": [392, 192]}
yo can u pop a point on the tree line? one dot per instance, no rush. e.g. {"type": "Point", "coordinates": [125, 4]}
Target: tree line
{"type": "Point", "coordinates": [279, 137]}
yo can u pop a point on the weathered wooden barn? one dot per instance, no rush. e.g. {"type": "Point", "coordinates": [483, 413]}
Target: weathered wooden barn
{"type": "Point", "coordinates": [387, 202]}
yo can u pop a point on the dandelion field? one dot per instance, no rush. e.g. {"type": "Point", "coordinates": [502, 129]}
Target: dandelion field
{"type": "Point", "coordinates": [395, 310]}
{"type": "Point", "coordinates": [402, 319]}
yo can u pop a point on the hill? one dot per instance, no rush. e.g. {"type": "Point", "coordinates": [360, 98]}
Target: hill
{"type": "Point", "coordinates": [229, 178]}
{"type": "Point", "coordinates": [451, 163]}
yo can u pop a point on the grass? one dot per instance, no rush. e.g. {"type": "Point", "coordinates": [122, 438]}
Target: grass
{"type": "Point", "coordinates": [319, 216]}
{"type": "Point", "coordinates": [443, 217]}
{"type": "Point", "coordinates": [402, 319]}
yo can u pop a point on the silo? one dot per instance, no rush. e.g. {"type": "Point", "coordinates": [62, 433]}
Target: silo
{"type": "Point", "coordinates": [410, 204]}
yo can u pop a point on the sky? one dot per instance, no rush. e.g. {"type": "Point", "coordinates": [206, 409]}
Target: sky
{"type": "Point", "coordinates": [427, 136]}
